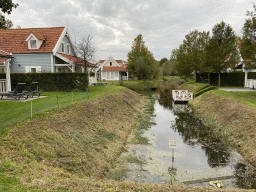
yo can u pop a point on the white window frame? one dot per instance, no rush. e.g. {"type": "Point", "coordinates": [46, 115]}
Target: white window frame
{"type": "Point", "coordinates": [62, 47]}
{"type": "Point", "coordinates": [28, 69]}
{"type": "Point", "coordinates": [116, 74]}
{"type": "Point", "coordinates": [31, 38]}
{"type": "Point", "coordinates": [104, 74]}
{"type": "Point", "coordinates": [68, 49]}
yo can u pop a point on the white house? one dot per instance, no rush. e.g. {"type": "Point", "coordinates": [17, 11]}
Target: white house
{"type": "Point", "coordinates": [111, 70]}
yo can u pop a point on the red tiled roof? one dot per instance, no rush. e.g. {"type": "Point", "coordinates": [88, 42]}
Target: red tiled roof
{"type": "Point", "coordinates": [3, 53]}
{"type": "Point", "coordinates": [115, 68]}
{"type": "Point", "coordinates": [76, 60]}
{"type": "Point", "coordinates": [118, 61]}
{"type": "Point", "coordinates": [14, 40]}
{"type": "Point", "coordinates": [2, 61]}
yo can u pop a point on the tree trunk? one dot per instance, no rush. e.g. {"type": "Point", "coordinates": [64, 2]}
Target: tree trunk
{"type": "Point", "coordinates": [209, 78]}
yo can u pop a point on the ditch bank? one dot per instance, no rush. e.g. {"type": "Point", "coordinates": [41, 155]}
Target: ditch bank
{"type": "Point", "coordinates": [75, 148]}
{"type": "Point", "coordinates": [233, 122]}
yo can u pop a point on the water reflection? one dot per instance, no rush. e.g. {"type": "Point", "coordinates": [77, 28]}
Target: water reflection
{"type": "Point", "coordinates": [199, 156]}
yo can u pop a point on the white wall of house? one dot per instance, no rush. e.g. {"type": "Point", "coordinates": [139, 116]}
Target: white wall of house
{"type": "Point", "coordinates": [110, 75]}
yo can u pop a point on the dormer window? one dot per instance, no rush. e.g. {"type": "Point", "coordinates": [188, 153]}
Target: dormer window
{"type": "Point", "coordinates": [110, 63]}
{"type": "Point", "coordinates": [33, 42]}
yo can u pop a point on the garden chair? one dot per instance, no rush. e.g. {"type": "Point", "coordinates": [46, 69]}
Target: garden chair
{"type": "Point", "coordinates": [17, 93]}
{"type": "Point", "coordinates": [33, 90]}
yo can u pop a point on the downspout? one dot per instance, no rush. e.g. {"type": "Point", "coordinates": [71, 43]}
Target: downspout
{"type": "Point", "coordinates": [52, 67]}
{"type": "Point", "coordinates": [8, 75]}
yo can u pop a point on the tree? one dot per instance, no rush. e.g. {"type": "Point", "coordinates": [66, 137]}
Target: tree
{"type": "Point", "coordinates": [248, 47]}
{"type": "Point", "coordinates": [140, 50]}
{"type": "Point", "coordinates": [142, 69]}
{"type": "Point", "coordinates": [221, 52]}
{"type": "Point", "coordinates": [167, 69]}
{"type": "Point", "coordinates": [6, 6]}
{"type": "Point", "coordinates": [86, 50]}
{"type": "Point", "coordinates": [190, 54]}
{"type": "Point", "coordinates": [162, 61]}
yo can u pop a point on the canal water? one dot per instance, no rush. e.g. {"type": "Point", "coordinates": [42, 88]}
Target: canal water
{"type": "Point", "coordinates": [183, 149]}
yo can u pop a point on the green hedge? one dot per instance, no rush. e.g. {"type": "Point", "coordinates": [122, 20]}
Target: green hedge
{"type": "Point", "coordinates": [201, 91]}
{"type": "Point", "coordinates": [51, 81]}
{"type": "Point", "coordinates": [226, 79]}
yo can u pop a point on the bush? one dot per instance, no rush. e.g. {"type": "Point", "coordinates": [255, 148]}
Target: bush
{"type": "Point", "coordinates": [51, 81]}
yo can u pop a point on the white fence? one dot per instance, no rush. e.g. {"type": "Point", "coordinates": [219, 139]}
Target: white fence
{"type": "Point", "coordinates": [181, 95]}
{"type": "Point", "coordinates": [92, 80]}
{"type": "Point", "coordinates": [2, 85]}
{"type": "Point", "coordinates": [251, 83]}
{"type": "Point", "coordinates": [124, 78]}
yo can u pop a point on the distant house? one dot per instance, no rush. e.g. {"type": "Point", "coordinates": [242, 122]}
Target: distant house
{"type": "Point", "coordinates": [40, 50]}
{"type": "Point", "coordinates": [111, 70]}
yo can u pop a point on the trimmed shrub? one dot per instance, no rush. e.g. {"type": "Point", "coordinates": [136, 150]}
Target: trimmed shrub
{"type": "Point", "coordinates": [200, 92]}
{"type": "Point", "coordinates": [51, 81]}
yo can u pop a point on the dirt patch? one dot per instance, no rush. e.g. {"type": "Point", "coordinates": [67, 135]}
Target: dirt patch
{"type": "Point", "coordinates": [232, 121]}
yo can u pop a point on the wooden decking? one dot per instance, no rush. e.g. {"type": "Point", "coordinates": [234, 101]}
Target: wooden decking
{"type": "Point", "coordinates": [181, 95]}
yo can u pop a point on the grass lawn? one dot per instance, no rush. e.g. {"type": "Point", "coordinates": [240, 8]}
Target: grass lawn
{"type": "Point", "coordinates": [245, 97]}
{"type": "Point", "coordinates": [13, 112]}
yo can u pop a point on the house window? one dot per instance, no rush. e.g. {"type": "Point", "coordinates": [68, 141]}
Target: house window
{"type": "Point", "coordinates": [110, 63]}
{"type": "Point", "coordinates": [104, 74]}
{"type": "Point", "coordinates": [116, 74]}
{"type": "Point", "coordinates": [61, 69]}
{"type": "Point", "coordinates": [1, 69]}
{"type": "Point", "coordinates": [62, 48]}
{"type": "Point", "coordinates": [67, 49]}
{"type": "Point", "coordinates": [112, 75]}
{"type": "Point", "coordinates": [32, 69]}
{"type": "Point", "coordinates": [33, 44]}
{"type": "Point", "coordinates": [108, 75]}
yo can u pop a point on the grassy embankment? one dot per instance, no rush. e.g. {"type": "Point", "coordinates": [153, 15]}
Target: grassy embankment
{"type": "Point", "coordinates": [73, 148]}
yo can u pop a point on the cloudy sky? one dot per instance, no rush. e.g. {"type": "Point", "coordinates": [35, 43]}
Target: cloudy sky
{"type": "Point", "coordinates": [115, 23]}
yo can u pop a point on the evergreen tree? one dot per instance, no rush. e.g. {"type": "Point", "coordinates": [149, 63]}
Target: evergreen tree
{"type": "Point", "coordinates": [139, 50]}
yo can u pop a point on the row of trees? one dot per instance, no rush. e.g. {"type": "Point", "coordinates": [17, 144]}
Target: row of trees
{"type": "Point", "coordinates": [201, 52]}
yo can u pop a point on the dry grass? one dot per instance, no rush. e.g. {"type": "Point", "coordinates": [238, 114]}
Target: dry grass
{"type": "Point", "coordinates": [233, 121]}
